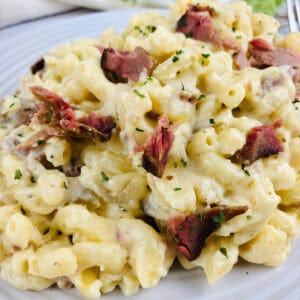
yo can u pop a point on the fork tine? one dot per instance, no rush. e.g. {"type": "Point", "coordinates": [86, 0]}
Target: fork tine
{"type": "Point", "coordinates": [292, 16]}
{"type": "Point", "coordinates": [297, 7]}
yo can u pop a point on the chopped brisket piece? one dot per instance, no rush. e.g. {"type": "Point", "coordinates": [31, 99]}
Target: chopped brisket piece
{"type": "Point", "coordinates": [261, 142]}
{"type": "Point", "coordinates": [240, 60]}
{"type": "Point", "coordinates": [157, 148]}
{"type": "Point", "coordinates": [197, 23]}
{"type": "Point", "coordinates": [191, 232]}
{"type": "Point", "coordinates": [265, 54]}
{"type": "Point", "coordinates": [96, 126]}
{"type": "Point", "coordinates": [119, 67]}
{"type": "Point", "coordinates": [60, 120]}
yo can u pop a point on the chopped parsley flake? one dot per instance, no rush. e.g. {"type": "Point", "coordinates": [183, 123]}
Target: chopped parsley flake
{"type": "Point", "coordinates": [223, 250]}
{"type": "Point", "coordinates": [212, 121]}
{"type": "Point", "coordinates": [190, 35]}
{"type": "Point", "coordinates": [20, 135]}
{"type": "Point", "coordinates": [239, 37]}
{"type": "Point", "coordinates": [201, 97]}
{"type": "Point", "coordinates": [249, 217]}
{"type": "Point", "coordinates": [182, 86]}
{"type": "Point", "coordinates": [177, 189]}
{"type": "Point", "coordinates": [247, 172]}
{"type": "Point", "coordinates": [143, 83]}
{"type": "Point", "coordinates": [175, 164]}
{"type": "Point", "coordinates": [149, 78]}
{"type": "Point", "coordinates": [138, 28]}
{"type": "Point", "coordinates": [11, 105]}
{"type": "Point", "coordinates": [139, 129]}
{"type": "Point", "coordinates": [65, 185]}
{"type": "Point", "coordinates": [234, 29]}
{"type": "Point", "coordinates": [139, 94]}
{"type": "Point", "coordinates": [3, 127]}
{"type": "Point", "coordinates": [183, 162]}
{"type": "Point", "coordinates": [205, 55]}
{"type": "Point", "coordinates": [151, 28]}
{"type": "Point", "coordinates": [193, 229]}
{"type": "Point", "coordinates": [32, 179]}
{"type": "Point", "coordinates": [220, 218]}
{"type": "Point", "coordinates": [175, 59]}
{"type": "Point", "coordinates": [18, 174]}
{"type": "Point", "coordinates": [175, 236]}
{"type": "Point", "coordinates": [104, 176]}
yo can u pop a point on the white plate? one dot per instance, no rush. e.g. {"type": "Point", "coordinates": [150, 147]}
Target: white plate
{"type": "Point", "coordinates": [20, 46]}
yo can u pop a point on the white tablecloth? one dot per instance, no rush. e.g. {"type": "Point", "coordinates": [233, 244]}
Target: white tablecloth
{"type": "Point", "coordinates": [15, 11]}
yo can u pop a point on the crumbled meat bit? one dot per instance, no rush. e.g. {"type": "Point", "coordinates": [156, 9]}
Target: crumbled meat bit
{"type": "Point", "coordinates": [261, 142]}
{"type": "Point", "coordinates": [191, 232]}
{"type": "Point", "coordinates": [264, 55]}
{"type": "Point", "coordinates": [119, 67]}
{"type": "Point", "coordinates": [54, 110]}
{"type": "Point", "coordinates": [93, 124]}
{"type": "Point", "coordinates": [41, 135]}
{"type": "Point", "coordinates": [38, 66]}
{"type": "Point", "coordinates": [60, 120]}
{"type": "Point", "coordinates": [16, 248]}
{"type": "Point", "coordinates": [240, 60]}
{"type": "Point", "coordinates": [157, 148]}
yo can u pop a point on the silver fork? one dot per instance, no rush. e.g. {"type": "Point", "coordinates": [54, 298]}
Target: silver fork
{"type": "Point", "coordinates": [293, 8]}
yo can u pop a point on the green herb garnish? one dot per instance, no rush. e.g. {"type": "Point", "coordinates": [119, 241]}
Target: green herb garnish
{"type": "Point", "coordinates": [247, 172]}
{"type": "Point", "coordinates": [151, 28]}
{"type": "Point", "coordinates": [223, 250]}
{"type": "Point", "coordinates": [175, 59]}
{"type": "Point", "coordinates": [104, 176]}
{"type": "Point", "coordinates": [18, 174]}
{"type": "Point", "coordinates": [220, 218]}
{"type": "Point", "coordinates": [175, 236]}
{"type": "Point", "coordinates": [205, 55]}
{"type": "Point", "coordinates": [183, 162]}
{"type": "Point", "coordinates": [139, 94]}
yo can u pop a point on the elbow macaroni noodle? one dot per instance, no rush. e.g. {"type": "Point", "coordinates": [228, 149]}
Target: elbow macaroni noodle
{"type": "Point", "coordinates": [88, 230]}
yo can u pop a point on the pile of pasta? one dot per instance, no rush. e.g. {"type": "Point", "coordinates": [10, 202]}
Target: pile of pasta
{"type": "Point", "coordinates": [92, 230]}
